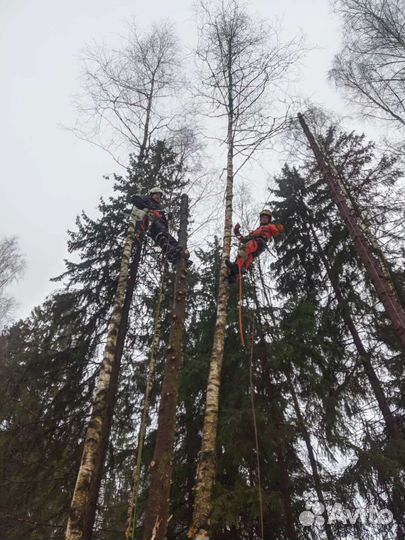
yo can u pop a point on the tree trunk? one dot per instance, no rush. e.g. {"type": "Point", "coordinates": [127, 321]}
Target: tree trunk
{"type": "Point", "coordinates": [90, 511]}
{"type": "Point", "coordinates": [390, 422]}
{"type": "Point", "coordinates": [91, 464]}
{"type": "Point", "coordinates": [207, 459]}
{"type": "Point", "coordinates": [386, 267]}
{"type": "Point", "coordinates": [375, 270]}
{"type": "Point", "coordinates": [84, 500]}
{"type": "Point", "coordinates": [157, 509]}
{"type": "Point", "coordinates": [157, 328]}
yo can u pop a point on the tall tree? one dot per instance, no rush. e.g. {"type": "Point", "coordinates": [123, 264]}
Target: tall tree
{"type": "Point", "coordinates": [123, 89]}
{"type": "Point", "coordinates": [157, 510]}
{"type": "Point", "coordinates": [83, 505]}
{"type": "Point", "coordinates": [240, 65]}
{"type": "Point", "coordinates": [317, 239]}
{"type": "Point", "coordinates": [50, 360]}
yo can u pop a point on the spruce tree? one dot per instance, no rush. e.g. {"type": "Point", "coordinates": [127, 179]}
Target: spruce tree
{"type": "Point", "coordinates": [78, 316]}
{"type": "Point", "coordinates": [319, 243]}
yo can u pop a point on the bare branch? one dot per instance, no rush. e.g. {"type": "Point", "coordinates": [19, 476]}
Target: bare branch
{"type": "Point", "coordinates": [371, 65]}
{"type": "Point", "coordinates": [12, 265]}
{"type": "Point", "coordinates": [127, 92]}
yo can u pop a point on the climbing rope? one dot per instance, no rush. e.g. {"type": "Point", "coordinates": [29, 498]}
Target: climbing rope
{"type": "Point", "coordinates": [241, 329]}
{"type": "Point", "coordinates": [252, 403]}
{"type": "Point", "coordinates": [252, 394]}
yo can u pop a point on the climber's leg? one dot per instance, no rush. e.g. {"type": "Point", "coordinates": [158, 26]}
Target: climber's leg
{"type": "Point", "coordinates": [246, 254]}
{"type": "Point", "coordinates": [167, 242]}
{"type": "Point", "coordinates": [243, 261]}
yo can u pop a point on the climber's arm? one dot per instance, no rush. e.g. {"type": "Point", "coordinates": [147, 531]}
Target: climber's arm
{"type": "Point", "coordinates": [140, 202]}
{"type": "Point", "coordinates": [241, 238]}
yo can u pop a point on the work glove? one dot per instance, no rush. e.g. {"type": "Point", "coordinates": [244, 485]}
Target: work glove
{"type": "Point", "coordinates": [236, 229]}
{"type": "Point", "coordinates": [280, 228]}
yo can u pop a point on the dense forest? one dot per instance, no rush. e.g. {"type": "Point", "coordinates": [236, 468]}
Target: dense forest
{"type": "Point", "coordinates": [151, 398]}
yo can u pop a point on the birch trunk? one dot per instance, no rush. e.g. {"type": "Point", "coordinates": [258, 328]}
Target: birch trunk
{"type": "Point", "coordinates": [207, 459]}
{"type": "Point", "coordinates": [157, 509]}
{"type": "Point", "coordinates": [90, 510]}
{"type": "Point", "coordinates": [241, 63]}
{"type": "Point", "coordinates": [142, 72]}
{"type": "Point", "coordinates": [133, 500]}
{"type": "Point", "coordinates": [94, 437]}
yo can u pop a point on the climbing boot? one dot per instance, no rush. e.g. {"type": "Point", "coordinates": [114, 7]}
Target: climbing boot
{"type": "Point", "coordinates": [174, 254]}
{"type": "Point", "coordinates": [233, 271]}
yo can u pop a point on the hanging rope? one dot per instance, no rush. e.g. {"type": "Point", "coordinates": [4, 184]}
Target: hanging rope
{"type": "Point", "coordinates": [252, 402]}
{"type": "Point", "coordinates": [241, 329]}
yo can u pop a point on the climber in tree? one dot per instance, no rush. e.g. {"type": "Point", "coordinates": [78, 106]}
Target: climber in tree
{"type": "Point", "coordinates": [151, 214]}
{"type": "Point", "coordinates": [252, 245]}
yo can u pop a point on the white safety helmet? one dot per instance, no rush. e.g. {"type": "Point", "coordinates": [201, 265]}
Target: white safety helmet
{"type": "Point", "coordinates": [156, 189]}
{"type": "Point", "coordinates": [266, 212]}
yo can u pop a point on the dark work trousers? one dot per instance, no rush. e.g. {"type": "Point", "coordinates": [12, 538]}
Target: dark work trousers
{"type": "Point", "coordinates": [159, 233]}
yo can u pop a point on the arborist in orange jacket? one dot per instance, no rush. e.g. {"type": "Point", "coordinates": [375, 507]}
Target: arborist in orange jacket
{"type": "Point", "coordinates": [253, 244]}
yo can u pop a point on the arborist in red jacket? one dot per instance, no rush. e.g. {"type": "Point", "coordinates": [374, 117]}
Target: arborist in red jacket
{"type": "Point", "coordinates": [252, 245]}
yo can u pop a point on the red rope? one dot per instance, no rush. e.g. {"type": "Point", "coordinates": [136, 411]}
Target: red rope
{"type": "Point", "coordinates": [241, 330]}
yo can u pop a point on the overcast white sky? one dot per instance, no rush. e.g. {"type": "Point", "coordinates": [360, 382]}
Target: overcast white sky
{"type": "Point", "coordinates": [47, 175]}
